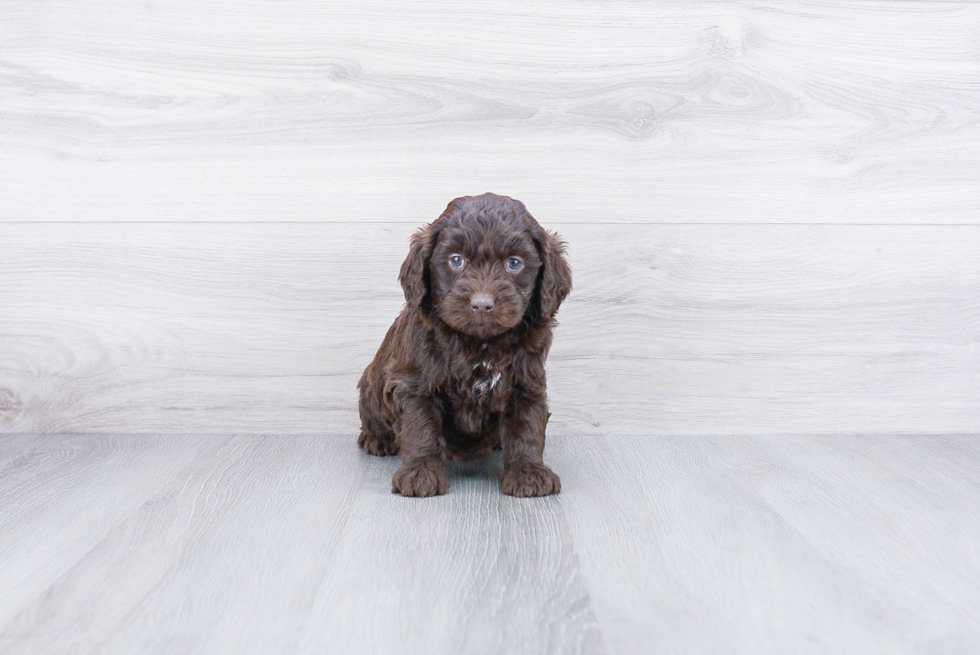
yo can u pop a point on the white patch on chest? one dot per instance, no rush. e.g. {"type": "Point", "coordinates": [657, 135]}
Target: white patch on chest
{"type": "Point", "coordinates": [486, 384]}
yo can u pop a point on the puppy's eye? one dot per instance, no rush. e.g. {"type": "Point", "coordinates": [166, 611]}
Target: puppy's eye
{"type": "Point", "coordinates": [457, 261]}
{"type": "Point", "coordinates": [514, 264]}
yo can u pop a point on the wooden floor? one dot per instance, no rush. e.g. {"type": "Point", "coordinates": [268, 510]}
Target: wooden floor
{"type": "Point", "coordinates": [282, 544]}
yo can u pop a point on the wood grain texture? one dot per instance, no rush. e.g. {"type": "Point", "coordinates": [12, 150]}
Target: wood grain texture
{"type": "Point", "coordinates": [669, 329]}
{"type": "Point", "coordinates": [845, 112]}
{"type": "Point", "coordinates": [266, 544]}
{"type": "Point", "coordinates": [473, 571]}
{"type": "Point", "coordinates": [221, 547]}
{"type": "Point", "coordinates": [281, 544]}
{"type": "Point", "coordinates": [61, 496]}
{"type": "Point", "coordinates": [834, 544]}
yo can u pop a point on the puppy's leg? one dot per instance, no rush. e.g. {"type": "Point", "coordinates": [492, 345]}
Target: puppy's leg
{"type": "Point", "coordinates": [378, 443]}
{"type": "Point", "coordinates": [525, 473]}
{"type": "Point", "coordinates": [377, 437]}
{"type": "Point", "coordinates": [418, 433]}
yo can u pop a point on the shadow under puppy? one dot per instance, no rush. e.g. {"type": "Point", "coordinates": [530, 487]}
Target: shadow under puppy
{"type": "Point", "coordinates": [461, 371]}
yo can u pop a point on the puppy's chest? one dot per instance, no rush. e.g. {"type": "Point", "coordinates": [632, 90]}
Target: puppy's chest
{"type": "Point", "coordinates": [480, 387]}
{"type": "Point", "coordinates": [484, 378]}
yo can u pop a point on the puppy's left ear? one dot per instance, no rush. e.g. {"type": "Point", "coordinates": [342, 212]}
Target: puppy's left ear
{"type": "Point", "coordinates": [556, 276]}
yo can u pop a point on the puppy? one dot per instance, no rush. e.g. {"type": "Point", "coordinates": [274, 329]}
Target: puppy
{"type": "Point", "coordinates": [461, 371]}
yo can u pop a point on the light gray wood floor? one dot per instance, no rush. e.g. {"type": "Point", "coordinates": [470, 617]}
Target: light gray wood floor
{"type": "Point", "coordinates": [276, 543]}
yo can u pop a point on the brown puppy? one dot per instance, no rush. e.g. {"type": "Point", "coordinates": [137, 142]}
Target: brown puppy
{"type": "Point", "coordinates": [461, 371]}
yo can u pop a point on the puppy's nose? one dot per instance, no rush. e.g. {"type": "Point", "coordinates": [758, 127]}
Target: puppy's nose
{"type": "Point", "coordinates": [481, 303]}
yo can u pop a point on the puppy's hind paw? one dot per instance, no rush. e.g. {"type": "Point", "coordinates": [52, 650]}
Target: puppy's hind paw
{"type": "Point", "coordinates": [375, 445]}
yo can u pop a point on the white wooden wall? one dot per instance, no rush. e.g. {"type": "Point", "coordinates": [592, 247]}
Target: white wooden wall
{"type": "Point", "coordinates": [773, 208]}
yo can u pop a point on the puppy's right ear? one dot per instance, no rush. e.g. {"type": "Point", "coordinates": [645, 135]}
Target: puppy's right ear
{"type": "Point", "coordinates": [414, 274]}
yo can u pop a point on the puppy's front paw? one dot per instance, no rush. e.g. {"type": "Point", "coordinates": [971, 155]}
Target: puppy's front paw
{"type": "Point", "coordinates": [421, 480]}
{"type": "Point", "coordinates": [528, 480]}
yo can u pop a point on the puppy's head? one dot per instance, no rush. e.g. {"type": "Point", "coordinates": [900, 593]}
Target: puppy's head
{"type": "Point", "coordinates": [484, 266]}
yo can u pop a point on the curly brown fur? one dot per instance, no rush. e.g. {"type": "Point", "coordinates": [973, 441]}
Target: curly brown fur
{"type": "Point", "coordinates": [461, 371]}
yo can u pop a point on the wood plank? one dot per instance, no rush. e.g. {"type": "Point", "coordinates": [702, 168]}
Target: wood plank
{"type": "Point", "coordinates": [63, 494]}
{"type": "Point", "coordinates": [669, 329]}
{"type": "Point", "coordinates": [268, 544]}
{"type": "Point", "coordinates": [590, 112]}
{"type": "Point", "coordinates": [473, 571]}
{"type": "Point", "coordinates": [835, 544]}
{"type": "Point", "coordinates": [221, 553]}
